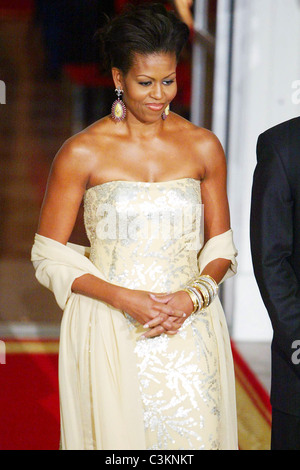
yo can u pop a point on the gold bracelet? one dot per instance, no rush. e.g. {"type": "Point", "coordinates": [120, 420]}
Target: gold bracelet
{"type": "Point", "coordinates": [193, 298]}
{"type": "Point", "coordinates": [211, 280]}
{"type": "Point", "coordinates": [199, 297]}
{"type": "Point", "coordinates": [207, 278]}
{"type": "Point", "coordinates": [212, 293]}
{"type": "Point", "coordinates": [204, 291]}
{"type": "Point", "coordinates": [209, 284]}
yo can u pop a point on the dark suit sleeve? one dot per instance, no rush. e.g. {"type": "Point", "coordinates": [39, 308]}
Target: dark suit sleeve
{"type": "Point", "coordinates": [272, 238]}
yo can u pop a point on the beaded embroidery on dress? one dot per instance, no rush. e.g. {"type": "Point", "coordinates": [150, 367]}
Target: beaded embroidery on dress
{"type": "Point", "coordinates": [146, 236]}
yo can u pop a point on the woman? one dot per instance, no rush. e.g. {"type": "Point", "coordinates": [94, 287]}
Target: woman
{"type": "Point", "coordinates": [145, 360]}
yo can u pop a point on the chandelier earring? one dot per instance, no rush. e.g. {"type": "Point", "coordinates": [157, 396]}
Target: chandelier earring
{"type": "Point", "coordinates": [118, 109]}
{"type": "Point", "coordinates": [166, 113]}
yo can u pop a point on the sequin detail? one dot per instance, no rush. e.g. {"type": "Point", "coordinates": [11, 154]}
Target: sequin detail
{"type": "Point", "coordinates": [152, 249]}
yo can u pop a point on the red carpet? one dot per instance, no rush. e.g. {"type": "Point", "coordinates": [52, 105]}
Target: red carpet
{"type": "Point", "coordinates": [29, 406]}
{"type": "Point", "coordinates": [253, 407]}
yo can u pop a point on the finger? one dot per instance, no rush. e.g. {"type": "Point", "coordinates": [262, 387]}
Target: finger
{"type": "Point", "coordinates": [171, 332]}
{"type": "Point", "coordinates": [171, 325]}
{"type": "Point", "coordinates": [157, 331]}
{"type": "Point", "coordinates": [179, 314]}
{"type": "Point", "coordinates": [156, 321]}
{"type": "Point", "coordinates": [166, 324]}
{"type": "Point", "coordinates": [170, 311]}
{"type": "Point", "coordinates": [167, 321]}
{"type": "Point", "coordinates": [178, 321]}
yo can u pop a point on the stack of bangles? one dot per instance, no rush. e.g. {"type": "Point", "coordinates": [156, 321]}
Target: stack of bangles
{"type": "Point", "coordinates": [202, 291]}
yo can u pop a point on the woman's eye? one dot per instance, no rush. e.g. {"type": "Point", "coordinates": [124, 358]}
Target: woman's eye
{"type": "Point", "coordinates": [165, 82]}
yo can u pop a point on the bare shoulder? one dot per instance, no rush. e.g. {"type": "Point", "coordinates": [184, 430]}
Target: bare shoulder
{"type": "Point", "coordinates": [200, 135]}
{"type": "Point", "coordinates": [203, 143]}
{"type": "Point", "coordinates": [77, 154]}
{"type": "Point", "coordinates": [209, 148]}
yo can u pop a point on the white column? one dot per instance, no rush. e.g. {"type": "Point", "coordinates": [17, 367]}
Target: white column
{"type": "Point", "coordinates": [266, 67]}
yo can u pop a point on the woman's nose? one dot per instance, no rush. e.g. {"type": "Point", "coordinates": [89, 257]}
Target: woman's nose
{"type": "Point", "coordinates": [157, 92]}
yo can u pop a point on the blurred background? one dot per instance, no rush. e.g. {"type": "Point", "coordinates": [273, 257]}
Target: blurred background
{"type": "Point", "coordinates": [239, 75]}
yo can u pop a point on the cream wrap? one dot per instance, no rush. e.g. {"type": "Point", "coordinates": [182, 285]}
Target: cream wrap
{"type": "Point", "coordinates": [97, 367]}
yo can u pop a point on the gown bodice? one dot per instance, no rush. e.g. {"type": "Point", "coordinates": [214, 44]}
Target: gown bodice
{"type": "Point", "coordinates": [145, 235]}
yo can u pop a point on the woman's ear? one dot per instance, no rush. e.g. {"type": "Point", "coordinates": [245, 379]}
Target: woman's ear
{"type": "Point", "coordinates": [117, 77]}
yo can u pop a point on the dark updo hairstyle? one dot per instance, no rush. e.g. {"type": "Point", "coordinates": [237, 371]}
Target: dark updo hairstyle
{"type": "Point", "coordinates": [143, 29]}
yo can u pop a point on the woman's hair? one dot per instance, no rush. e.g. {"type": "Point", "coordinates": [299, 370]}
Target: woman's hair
{"type": "Point", "coordinates": [144, 29]}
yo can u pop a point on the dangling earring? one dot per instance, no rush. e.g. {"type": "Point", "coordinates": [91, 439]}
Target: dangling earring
{"type": "Point", "coordinates": [118, 109]}
{"type": "Point", "coordinates": [166, 113]}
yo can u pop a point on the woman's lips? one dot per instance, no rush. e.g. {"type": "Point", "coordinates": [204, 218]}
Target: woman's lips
{"type": "Point", "coordinates": [155, 106]}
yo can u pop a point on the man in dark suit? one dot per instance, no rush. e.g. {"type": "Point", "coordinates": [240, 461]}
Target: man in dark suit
{"type": "Point", "coordinates": [275, 247]}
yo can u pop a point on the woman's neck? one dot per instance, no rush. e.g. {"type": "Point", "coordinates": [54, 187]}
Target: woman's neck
{"type": "Point", "coordinates": [139, 129]}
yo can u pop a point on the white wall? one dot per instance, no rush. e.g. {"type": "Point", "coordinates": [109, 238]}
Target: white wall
{"type": "Point", "coordinates": [266, 64]}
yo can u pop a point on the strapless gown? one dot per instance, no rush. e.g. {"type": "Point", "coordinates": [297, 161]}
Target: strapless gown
{"type": "Point", "coordinates": [147, 236]}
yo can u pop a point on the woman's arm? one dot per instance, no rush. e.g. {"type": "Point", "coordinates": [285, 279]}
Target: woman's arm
{"type": "Point", "coordinates": [69, 175]}
{"type": "Point", "coordinates": [215, 201]}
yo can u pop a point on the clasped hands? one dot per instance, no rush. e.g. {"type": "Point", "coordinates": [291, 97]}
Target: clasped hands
{"type": "Point", "coordinates": [159, 312]}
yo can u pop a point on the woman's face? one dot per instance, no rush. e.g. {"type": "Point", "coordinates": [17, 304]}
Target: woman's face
{"type": "Point", "coordinates": [149, 86]}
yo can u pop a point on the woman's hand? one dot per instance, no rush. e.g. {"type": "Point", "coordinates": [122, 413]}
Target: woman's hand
{"type": "Point", "coordinates": [147, 310]}
{"type": "Point", "coordinates": [179, 301]}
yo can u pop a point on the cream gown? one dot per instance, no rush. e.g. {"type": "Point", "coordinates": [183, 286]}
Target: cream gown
{"type": "Point", "coordinates": [179, 392]}
{"type": "Point", "coordinates": [179, 377]}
